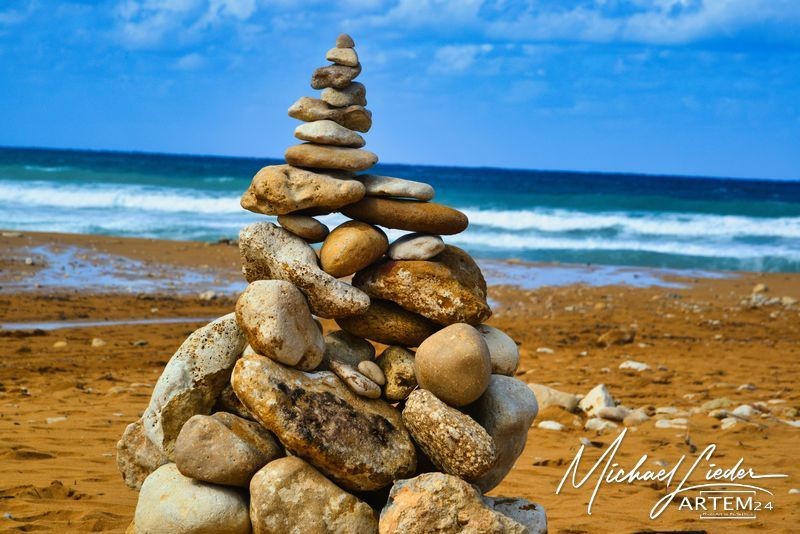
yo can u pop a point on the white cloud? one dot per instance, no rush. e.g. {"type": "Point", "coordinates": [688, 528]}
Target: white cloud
{"type": "Point", "coordinates": [452, 59]}
{"type": "Point", "coordinates": [191, 61]}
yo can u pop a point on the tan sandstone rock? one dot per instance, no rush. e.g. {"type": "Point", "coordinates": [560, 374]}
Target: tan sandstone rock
{"type": "Point", "coordinates": [436, 502]}
{"type": "Point", "coordinates": [313, 109]}
{"type": "Point", "coordinates": [388, 323]}
{"type": "Point", "coordinates": [453, 441]}
{"type": "Point", "coordinates": [283, 189]}
{"type": "Point", "coordinates": [330, 157]}
{"type": "Point", "coordinates": [361, 444]}
{"type": "Point", "coordinates": [454, 364]}
{"type": "Point", "coordinates": [304, 226]}
{"type": "Point", "coordinates": [271, 253]}
{"type": "Point", "coordinates": [354, 94]}
{"type": "Point", "coordinates": [345, 41]}
{"type": "Point", "coordinates": [224, 449]}
{"type": "Point", "coordinates": [359, 383]}
{"type": "Point", "coordinates": [423, 217]}
{"type": "Point", "coordinates": [137, 456]}
{"type": "Point", "coordinates": [289, 496]}
{"type": "Point", "coordinates": [447, 289]}
{"type": "Point", "coordinates": [351, 247]}
{"type": "Point", "coordinates": [336, 76]}
{"type": "Point", "coordinates": [275, 318]}
{"type": "Point", "coordinates": [397, 364]}
{"type": "Point", "coordinates": [343, 56]}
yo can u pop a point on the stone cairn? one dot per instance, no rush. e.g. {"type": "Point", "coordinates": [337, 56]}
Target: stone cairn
{"type": "Point", "coordinates": [261, 423]}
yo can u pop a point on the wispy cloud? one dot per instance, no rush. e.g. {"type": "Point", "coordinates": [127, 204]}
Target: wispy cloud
{"type": "Point", "coordinates": [451, 59]}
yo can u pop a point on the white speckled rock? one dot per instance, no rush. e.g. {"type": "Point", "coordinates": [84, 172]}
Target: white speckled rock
{"type": "Point", "coordinates": [454, 364]}
{"type": "Point", "coordinates": [416, 247]}
{"type": "Point", "coordinates": [289, 496]}
{"type": "Point", "coordinates": [506, 411]}
{"type": "Point", "coordinates": [172, 503]}
{"type": "Point", "coordinates": [137, 456]}
{"type": "Point", "coordinates": [547, 396]}
{"type": "Point", "coordinates": [387, 186]}
{"type": "Point", "coordinates": [502, 350]}
{"type": "Point", "coordinates": [192, 380]}
{"type": "Point", "coordinates": [271, 253]}
{"type": "Point", "coordinates": [597, 398]}
{"type": "Point", "coordinates": [531, 515]}
{"type": "Point", "coordinates": [275, 317]}
{"type": "Point", "coordinates": [436, 502]}
{"type": "Point", "coordinates": [328, 132]}
{"type": "Point", "coordinates": [360, 443]}
{"type": "Point", "coordinates": [453, 441]}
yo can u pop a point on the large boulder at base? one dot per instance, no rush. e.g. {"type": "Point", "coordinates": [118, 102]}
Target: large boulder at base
{"type": "Point", "coordinates": [192, 380]}
{"type": "Point", "coordinates": [436, 502]}
{"type": "Point", "coordinates": [272, 253]}
{"type": "Point", "coordinates": [530, 515]}
{"type": "Point", "coordinates": [446, 289]}
{"type": "Point", "coordinates": [170, 503]}
{"type": "Point", "coordinates": [388, 323]}
{"type": "Point", "coordinates": [224, 449]}
{"type": "Point", "coordinates": [453, 441]}
{"type": "Point", "coordinates": [275, 318]}
{"type": "Point", "coordinates": [454, 364]}
{"type": "Point", "coordinates": [360, 443]}
{"type": "Point", "coordinates": [137, 456]}
{"type": "Point", "coordinates": [283, 189]}
{"type": "Point", "coordinates": [289, 496]}
{"type": "Point", "coordinates": [506, 410]}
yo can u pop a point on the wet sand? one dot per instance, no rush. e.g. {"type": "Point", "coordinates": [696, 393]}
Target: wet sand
{"type": "Point", "coordinates": [64, 405]}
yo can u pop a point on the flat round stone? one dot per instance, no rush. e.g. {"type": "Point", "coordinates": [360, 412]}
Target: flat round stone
{"type": "Point", "coordinates": [328, 132]}
{"type": "Point", "coordinates": [330, 157]}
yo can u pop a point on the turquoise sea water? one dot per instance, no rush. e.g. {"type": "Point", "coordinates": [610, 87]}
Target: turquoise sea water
{"type": "Point", "coordinates": [612, 219]}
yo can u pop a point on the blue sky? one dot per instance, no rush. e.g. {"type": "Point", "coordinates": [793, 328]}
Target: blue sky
{"type": "Point", "coordinates": [707, 87]}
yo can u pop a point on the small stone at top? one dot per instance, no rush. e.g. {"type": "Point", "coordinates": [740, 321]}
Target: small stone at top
{"type": "Point", "coordinates": [344, 41]}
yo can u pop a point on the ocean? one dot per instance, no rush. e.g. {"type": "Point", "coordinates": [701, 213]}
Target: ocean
{"type": "Point", "coordinates": [541, 216]}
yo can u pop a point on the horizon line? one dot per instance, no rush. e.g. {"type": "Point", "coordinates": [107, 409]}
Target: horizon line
{"type": "Point", "coordinates": [475, 167]}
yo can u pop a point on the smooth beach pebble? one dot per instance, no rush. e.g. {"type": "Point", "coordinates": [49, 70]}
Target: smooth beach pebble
{"type": "Point", "coordinates": [350, 247]}
{"type": "Point", "coordinates": [354, 94]}
{"type": "Point", "coordinates": [502, 350]}
{"type": "Point", "coordinates": [346, 348]}
{"type": "Point", "coordinates": [357, 382]}
{"type": "Point", "coordinates": [454, 364]}
{"type": "Point", "coordinates": [330, 157]}
{"type": "Point", "coordinates": [328, 132]}
{"type": "Point", "coordinates": [304, 226]}
{"type": "Point", "coordinates": [275, 317]}
{"type": "Point", "coordinates": [388, 186]}
{"type": "Point", "coordinates": [388, 323]}
{"type": "Point", "coordinates": [313, 109]}
{"type": "Point", "coordinates": [345, 41]}
{"type": "Point", "coordinates": [425, 217]}
{"type": "Point", "coordinates": [416, 247]}
{"type": "Point", "coordinates": [371, 370]}
{"type": "Point", "coordinates": [342, 56]}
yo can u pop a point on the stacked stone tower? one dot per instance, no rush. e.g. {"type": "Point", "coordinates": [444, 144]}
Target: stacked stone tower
{"type": "Point", "coordinates": [261, 422]}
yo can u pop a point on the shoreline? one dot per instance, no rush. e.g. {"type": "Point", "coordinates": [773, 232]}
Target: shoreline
{"type": "Point", "coordinates": [66, 395]}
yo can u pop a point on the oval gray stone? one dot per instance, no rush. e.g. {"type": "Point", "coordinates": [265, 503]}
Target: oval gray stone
{"type": "Point", "coordinates": [327, 132]}
{"type": "Point", "coordinates": [416, 247]}
{"type": "Point", "coordinates": [387, 186]}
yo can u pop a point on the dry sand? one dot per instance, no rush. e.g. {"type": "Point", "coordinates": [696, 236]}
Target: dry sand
{"type": "Point", "coordinates": [63, 407]}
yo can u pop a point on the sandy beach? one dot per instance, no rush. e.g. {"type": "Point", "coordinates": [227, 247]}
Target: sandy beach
{"type": "Point", "coordinates": [67, 393]}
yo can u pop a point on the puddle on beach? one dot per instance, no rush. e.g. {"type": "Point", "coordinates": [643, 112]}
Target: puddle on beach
{"type": "Point", "coordinates": [55, 325]}
{"type": "Point", "coordinates": [74, 268]}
